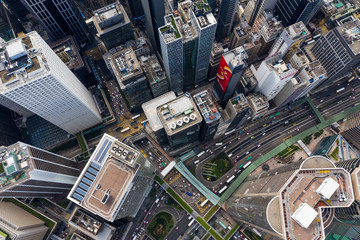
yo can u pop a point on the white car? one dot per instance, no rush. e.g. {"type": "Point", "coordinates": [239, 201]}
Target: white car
{"type": "Point", "coordinates": [246, 153]}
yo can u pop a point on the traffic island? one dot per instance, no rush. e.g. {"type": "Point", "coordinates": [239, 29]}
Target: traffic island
{"type": "Point", "coordinates": [161, 225]}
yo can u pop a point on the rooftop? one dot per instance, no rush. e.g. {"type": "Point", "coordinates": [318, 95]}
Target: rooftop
{"type": "Point", "coordinates": [203, 14]}
{"type": "Point", "coordinates": [150, 111]}
{"type": "Point", "coordinates": [307, 186]}
{"type": "Point", "coordinates": [239, 102]}
{"type": "Point", "coordinates": [152, 69]}
{"type": "Point", "coordinates": [15, 160]}
{"type": "Point", "coordinates": [178, 114]}
{"type": "Point", "coordinates": [110, 17]}
{"type": "Point", "coordinates": [297, 30]}
{"type": "Point", "coordinates": [126, 65]}
{"type": "Point", "coordinates": [350, 31]}
{"type": "Point", "coordinates": [187, 30]}
{"type": "Point", "coordinates": [185, 8]}
{"type": "Point", "coordinates": [259, 101]}
{"type": "Point", "coordinates": [106, 179]}
{"type": "Point", "coordinates": [21, 60]}
{"type": "Point", "coordinates": [170, 31]}
{"type": "Point", "coordinates": [236, 57]}
{"type": "Point", "coordinates": [67, 51]}
{"type": "Point", "coordinates": [277, 65]}
{"type": "Point", "coordinates": [85, 222]}
{"type": "Point", "coordinates": [205, 102]}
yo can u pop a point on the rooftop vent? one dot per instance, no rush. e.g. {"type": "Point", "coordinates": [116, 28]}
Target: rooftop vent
{"type": "Point", "coordinates": [172, 126]}
{"type": "Point", "coordinates": [186, 119]}
{"type": "Point", "coordinates": [179, 122]}
{"type": "Point", "coordinates": [192, 116]}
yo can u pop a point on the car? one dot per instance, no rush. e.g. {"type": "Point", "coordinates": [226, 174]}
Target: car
{"type": "Point", "coordinates": [227, 176]}
{"type": "Point", "coordinates": [238, 138]}
{"type": "Point", "coordinates": [234, 170]}
{"type": "Point", "coordinates": [263, 134]}
{"type": "Point", "coordinates": [224, 147]}
{"type": "Point", "coordinates": [246, 153]}
{"type": "Point", "coordinates": [230, 142]}
{"type": "Point", "coordinates": [264, 125]}
{"type": "Point", "coordinates": [184, 181]}
{"type": "Point", "coordinates": [260, 154]}
{"type": "Point", "coordinates": [258, 145]}
{"type": "Point", "coordinates": [352, 90]}
{"type": "Point", "coordinates": [176, 228]}
{"type": "Point", "coordinates": [252, 137]}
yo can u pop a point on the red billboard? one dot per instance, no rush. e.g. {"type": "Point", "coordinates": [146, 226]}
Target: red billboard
{"type": "Point", "coordinates": [224, 74]}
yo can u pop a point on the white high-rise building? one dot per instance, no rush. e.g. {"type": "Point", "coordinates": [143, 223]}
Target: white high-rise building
{"type": "Point", "coordinates": [35, 80]}
{"type": "Point", "coordinates": [272, 75]}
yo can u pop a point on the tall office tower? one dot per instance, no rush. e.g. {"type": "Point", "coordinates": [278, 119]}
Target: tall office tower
{"type": "Point", "coordinates": [338, 50]}
{"type": "Point", "coordinates": [258, 104]}
{"type": "Point", "coordinates": [211, 116]}
{"type": "Point", "coordinates": [290, 40]}
{"type": "Point", "coordinates": [267, 28]}
{"type": "Point", "coordinates": [155, 75]}
{"type": "Point", "coordinates": [60, 18]}
{"type": "Point", "coordinates": [96, 4]}
{"type": "Point", "coordinates": [248, 82]}
{"type": "Point", "coordinates": [17, 223]}
{"type": "Point", "coordinates": [272, 75]}
{"type": "Point", "coordinates": [150, 111]}
{"type": "Point", "coordinates": [288, 203]}
{"type": "Point", "coordinates": [254, 9]}
{"type": "Point", "coordinates": [352, 130]}
{"type": "Point", "coordinates": [190, 39]}
{"type": "Point", "coordinates": [136, 8]}
{"type": "Point", "coordinates": [131, 78]}
{"type": "Point", "coordinates": [226, 17]}
{"type": "Point", "coordinates": [216, 53]}
{"type": "Point", "coordinates": [113, 25]}
{"type": "Point", "coordinates": [37, 81]}
{"type": "Point", "coordinates": [114, 182]}
{"type": "Point", "coordinates": [172, 53]}
{"type": "Point", "coordinates": [238, 38]}
{"type": "Point", "coordinates": [292, 11]}
{"type": "Point", "coordinates": [205, 24]}
{"type": "Point", "coordinates": [154, 11]}
{"type": "Point", "coordinates": [33, 172]}
{"type": "Point", "coordinates": [181, 121]}
{"type": "Point", "coordinates": [239, 112]}
{"type": "Point", "coordinates": [231, 68]}
{"type": "Point", "coordinates": [290, 91]}
{"type": "Point", "coordinates": [184, 8]}
{"type": "Point", "coordinates": [212, 4]}
{"type": "Point", "coordinates": [17, 8]}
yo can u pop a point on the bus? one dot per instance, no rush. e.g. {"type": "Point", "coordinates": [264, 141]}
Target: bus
{"type": "Point", "coordinates": [248, 158]}
{"type": "Point", "coordinates": [204, 202]}
{"type": "Point", "coordinates": [190, 217]}
{"type": "Point", "coordinates": [246, 165]}
{"type": "Point", "coordinates": [223, 189]}
{"type": "Point", "coordinates": [351, 79]}
{"type": "Point", "coordinates": [191, 222]}
{"type": "Point", "coordinates": [142, 122]}
{"type": "Point", "coordinates": [221, 224]}
{"type": "Point", "coordinates": [241, 166]}
{"type": "Point", "coordinates": [341, 89]}
{"type": "Point", "coordinates": [218, 144]}
{"type": "Point", "coordinates": [135, 117]}
{"type": "Point", "coordinates": [163, 164]}
{"type": "Point", "coordinates": [317, 36]}
{"type": "Point", "coordinates": [196, 162]}
{"type": "Point", "coordinates": [124, 130]}
{"type": "Point", "coordinates": [200, 154]}
{"type": "Point", "coordinates": [230, 179]}
{"type": "Point", "coordinates": [310, 42]}
{"type": "Point", "coordinates": [277, 113]}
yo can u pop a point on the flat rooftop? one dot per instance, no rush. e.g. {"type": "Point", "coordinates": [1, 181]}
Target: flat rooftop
{"type": "Point", "coordinates": [21, 60]}
{"type": "Point", "coordinates": [153, 69]}
{"type": "Point", "coordinates": [16, 162]}
{"type": "Point", "coordinates": [178, 114]}
{"type": "Point", "coordinates": [239, 32]}
{"type": "Point", "coordinates": [297, 30]}
{"type": "Point", "coordinates": [110, 17]}
{"type": "Point", "coordinates": [239, 102]}
{"type": "Point", "coordinates": [206, 104]}
{"type": "Point", "coordinates": [203, 14]}
{"type": "Point", "coordinates": [85, 222]}
{"type": "Point", "coordinates": [106, 179]}
{"type": "Point", "coordinates": [303, 188]}
{"type": "Point", "coordinates": [350, 32]}
{"type": "Point", "coordinates": [67, 51]}
{"type": "Point", "coordinates": [150, 109]}
{"type": "Point", "coordinates": [170, 32]}
{"type": "Point", "coordinates": [259, 101]}
{"type": "Point", "coordinates": [187, 30]}
{"type": "Point", "coordinates": [236, 57]}
{"type": "Point", "coordinates": [126, 65]}
{"type": "Point", "coordinates": [185, 7]}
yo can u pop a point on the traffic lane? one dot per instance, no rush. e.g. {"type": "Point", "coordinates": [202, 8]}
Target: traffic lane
{"type": "Point", "coordinates": [144, 148]}
{"type": "Point", "coordinates": [179, 228]}
{"type": "Point", "coordinates": [350, 93]}
{"type": "Point", "coordinates": [339, 106]}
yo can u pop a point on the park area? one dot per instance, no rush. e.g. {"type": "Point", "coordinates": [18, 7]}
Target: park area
{"type": "Point", "coordinates": [161, 225]}
{"type": "Point", "coordinates": [217, 167]}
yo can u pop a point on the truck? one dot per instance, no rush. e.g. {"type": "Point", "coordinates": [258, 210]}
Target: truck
{"type": "Point", "coordinates": [189, 194]}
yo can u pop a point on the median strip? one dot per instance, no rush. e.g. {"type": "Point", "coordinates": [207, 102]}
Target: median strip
{"type": "Point", "coordinates": [232, 231]}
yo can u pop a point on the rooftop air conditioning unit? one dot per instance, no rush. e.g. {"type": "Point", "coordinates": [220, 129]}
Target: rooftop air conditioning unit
{"type": "Point", "coordinates": [192, 116]}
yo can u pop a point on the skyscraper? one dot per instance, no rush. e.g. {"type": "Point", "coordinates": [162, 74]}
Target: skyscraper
{"type": "Point", "coordinates": [338, 51]}
{"type": "Point", "coordinates": [60, 18]}
{"type": "Point", "coordinates": [38, 82]}
{"type": "Point", "coordinates": [287, 202]}
{"type": "Point", "coordinates": [172, 53]}
{"type": "Point", "coordinates": [9, 133]}
{"type": "Point", "coordinates": [232, 66]}
{"type": "Point", "coordinates": [254, 9]}
{"type": "Point", "coordinates": [154, 11]}
{"type": "Point", "coordinates": [96, 4]}
{"type": "Point", "coordinates": [292, 11]}
{"type": "Point", "coordinates": [136, 8]}
{"type": "Point", "coordinates": [226, 17]}
{"type": "Point", "coordinates": [33, 172]}
{"type": "Point", "coordinates": [205, 24]}
{"type": "Point", "coordinates": [113, 25]}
